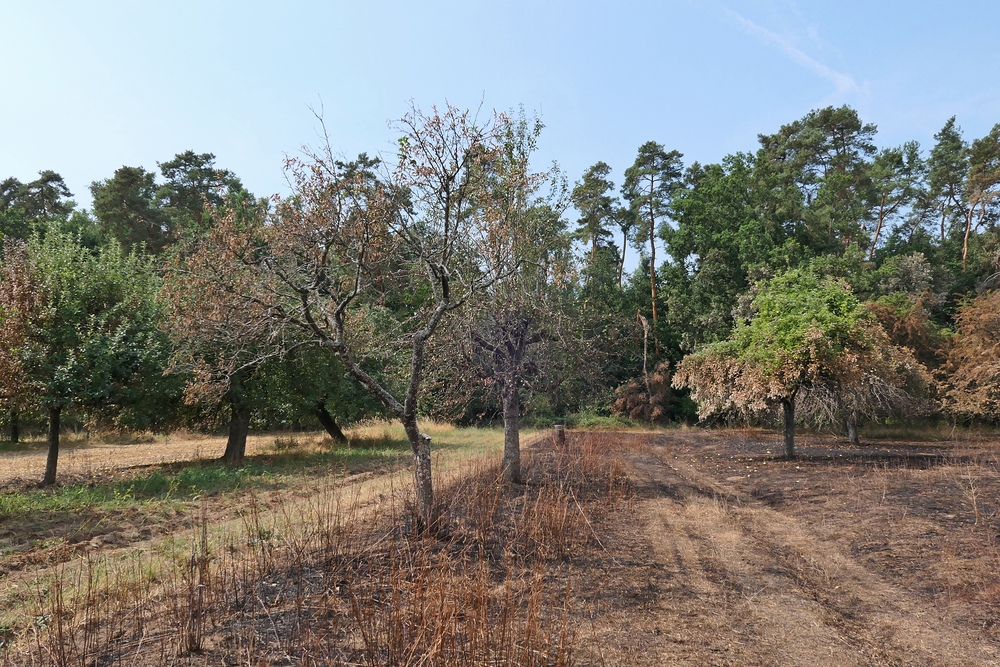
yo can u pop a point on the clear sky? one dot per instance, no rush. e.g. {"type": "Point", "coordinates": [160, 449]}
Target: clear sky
{"type": "Point", "coordinates": [91, 86]}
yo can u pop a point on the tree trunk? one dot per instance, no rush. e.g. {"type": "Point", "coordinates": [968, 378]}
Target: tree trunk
{"type": "Point", "coordinates": [852, 429]}
{"type": "Point", "coordinates": [878, 228]}
{"type": "Point", "coordinates": [53, 457]}
{"type": "Point", "coordinates": [329, 423]}
{"type": "Point", "coordinates": [652, 275]}
{"type": "Point", "coordinates": [788, 407]}
{"type": "Point", "coordinates": [512, 435]}
{"type": "Point", "coordinates": [15, 426]}
{"type": "Point", "coordinates": [420, 445]}
{"type": "Point", "coordinates": [236, 445]}
{"type": "Point", "coordinates": [621, 260]}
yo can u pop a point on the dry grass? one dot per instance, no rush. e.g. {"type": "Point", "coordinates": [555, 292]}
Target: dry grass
{"type": "Point", "coordinates": [340, 578]}
{"type": "Point", "coordinates": [683, 547]}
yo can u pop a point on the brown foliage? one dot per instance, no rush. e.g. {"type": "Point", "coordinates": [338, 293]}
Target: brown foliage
{"type": "Point", "coordinates": [885, 379]}
{"type": "Point", "coordinates": [972, 370]}
{"type": "Point", "coordinates": [872, 380]}
{"type": "Point", "coordinates": [20, 300]}
{"type": "Point", "coordinates": [909, 325]}
{"type": "Point", "coordinates": [646, 399]}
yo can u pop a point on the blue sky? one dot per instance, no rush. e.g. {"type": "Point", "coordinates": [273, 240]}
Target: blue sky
{"type": "Point", "coordinates": [91, 86]}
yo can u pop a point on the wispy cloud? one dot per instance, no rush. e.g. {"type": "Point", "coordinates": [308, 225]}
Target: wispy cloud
{"type": "Point", "coordinates": [844, 83]}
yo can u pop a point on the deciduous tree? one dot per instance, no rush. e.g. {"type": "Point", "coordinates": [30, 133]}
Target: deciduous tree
{"type": "Point", "coordinates": [367, 266]}
{"type": "Point", "coordinates": [972, 369]}
{"type": "Point", "coordinates": [807, 334]}
{"type": "Point", "coordinates": [89, 327]}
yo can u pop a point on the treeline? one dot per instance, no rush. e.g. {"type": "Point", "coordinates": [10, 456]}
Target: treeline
{"type": "Point", "coordinates": [819, 274]}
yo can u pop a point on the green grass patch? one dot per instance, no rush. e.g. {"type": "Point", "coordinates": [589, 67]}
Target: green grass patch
{"type": "Point", "coordinates": [596, 421]}
{"type": "Point", "coordinates": [190, 481]}
{"type": "Point", "coordinates": [21, 445]}
{"type": "Point", "coordinates": [379, 446]}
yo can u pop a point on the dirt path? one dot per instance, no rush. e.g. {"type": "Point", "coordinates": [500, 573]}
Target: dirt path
{"type": "Point", "coordinates": [710, 575]}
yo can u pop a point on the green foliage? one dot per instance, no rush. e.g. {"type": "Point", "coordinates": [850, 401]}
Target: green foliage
{"type": "Point", "coordinates": [591, 420]}
{"type": "Point", "coordinates": [593, 199]}
{"type": "Point", "coordinates": [127, 206]}
{"type": "Point", "coordinates": [94, 340]}
{"type": "Point", "coordinates": [42, 199]}
{"type": "Point", "coordinates": [800, 319]}
{"type": "Point", "coordinates": [805, 331]}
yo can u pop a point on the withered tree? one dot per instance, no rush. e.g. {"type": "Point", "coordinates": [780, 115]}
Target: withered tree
{"type": "Point", "coordinates": [972, 369]}
{"type": "Point", "coordinates": [367, 260]}
{"type": "Point", "coordinates": [220, 339]}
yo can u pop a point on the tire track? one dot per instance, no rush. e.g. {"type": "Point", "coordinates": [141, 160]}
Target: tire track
{"type": "Point", "coordinates": [777, 592]}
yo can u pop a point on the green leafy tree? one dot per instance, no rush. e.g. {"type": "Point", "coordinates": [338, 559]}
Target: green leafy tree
{"type": "Point", "coordinates": [897, 175]}
{"type": "Point", "coordinates": [194, 186]}
{"type": "Point", "coordinates": [23, 206]}
{"type": "Point", "coordinates": [982, 187]}
{"type": "Point", "coordinates": [947, 171]}
{"type": "Point", "coordinates": [807, 335]}
{"type": "Point", "coordinates": [92, 333]}
{"type": "Point", "coordinates": [818, 170]}
{"type": "Point", "coordinates": [719, 246]}
{"type": "Point", "coordinates": [44, 198]}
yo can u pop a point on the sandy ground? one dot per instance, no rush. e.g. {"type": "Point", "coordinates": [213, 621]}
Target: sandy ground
{"type": "Point", "coordinates": [711, 574]}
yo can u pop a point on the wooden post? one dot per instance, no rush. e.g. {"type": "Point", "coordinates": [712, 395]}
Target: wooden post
{"type": "Point", "coordinates": [560, 435]}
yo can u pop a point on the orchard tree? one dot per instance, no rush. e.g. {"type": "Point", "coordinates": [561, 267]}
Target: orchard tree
{"type": "Point", "coordinates": [807, 334]}
{"type": "Point", "coordinates": [89, 327]}
{"type": "Point", "coordinates": [366, 265]}
{"type": "Point", "coordinates": [217, 346]}
{"type": "Point", "coordinates": [20, 303]}
{"type": "Point", "coordinates": [305, 386]}
{"type": "Point", "coordinates": [523, 335]}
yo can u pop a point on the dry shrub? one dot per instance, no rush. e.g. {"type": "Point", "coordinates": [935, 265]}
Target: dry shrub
{"type": "Point", "coordinates": [647, 399]}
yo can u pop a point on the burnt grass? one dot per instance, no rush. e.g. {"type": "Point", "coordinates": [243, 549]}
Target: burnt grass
{"type": "Point", "coordinates": [341, 580]}
{"type": "Point", "coordinates": [563, 569]}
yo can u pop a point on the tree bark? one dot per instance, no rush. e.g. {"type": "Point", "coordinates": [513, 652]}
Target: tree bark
{"type": "Point", "coordinates": [329, 423]}
{"type": "Point", "coordinates": [852, 429]}
{"type": "Point", "coordinates": [236, 445]}
{"type": "Point", "coordinates": [15, 426]}
{"type": "Point", "coordinates": [788, 408]}
{"type": "Point", "coordinates": [652, 271]}
{"type": "Point", "coordinates": [52, 459]}
{"type": "Point", "coordinates": [878, 228]}
{"type": "Point", "coordinates": [420, 445]}
{"type": "Point", "coordinates": [512, 435]}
